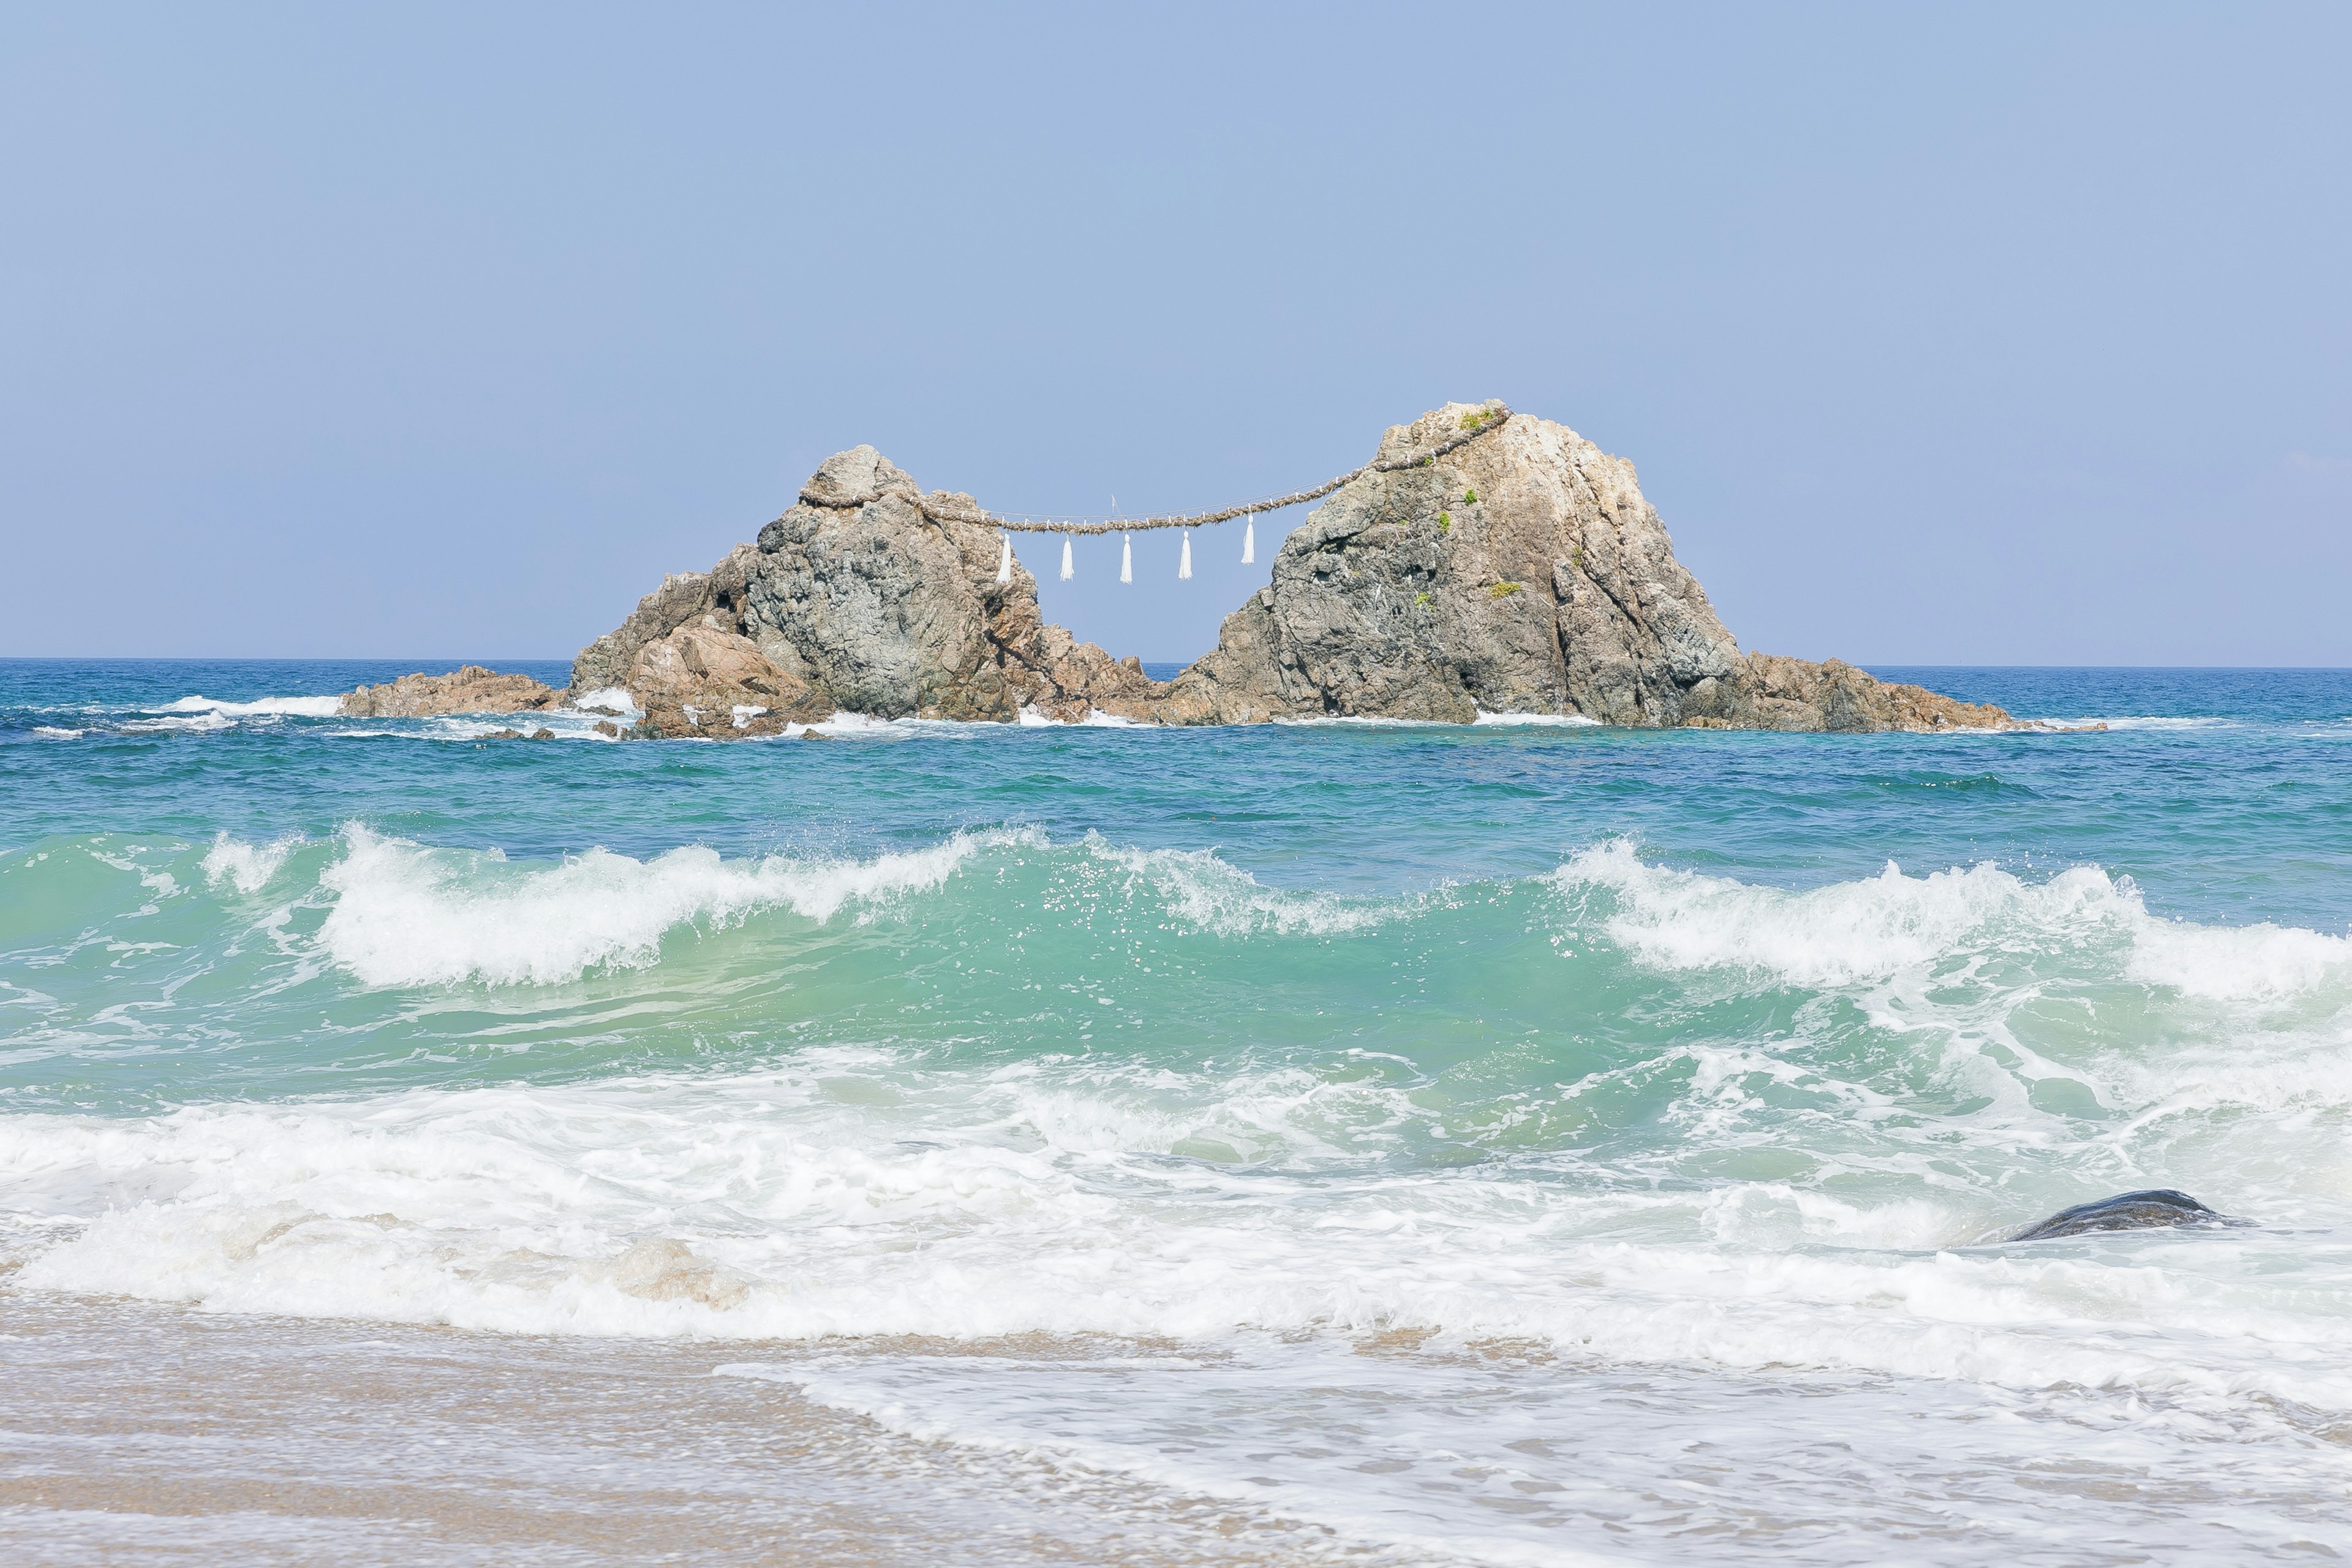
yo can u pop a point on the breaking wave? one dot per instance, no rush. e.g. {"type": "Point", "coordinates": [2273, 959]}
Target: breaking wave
{"type": "Point", "coordinates": [408, 915]}
{"type": "Point", "coordinates": [297, 707]}
{"type": "Point", "coordinates": [1847, 933]}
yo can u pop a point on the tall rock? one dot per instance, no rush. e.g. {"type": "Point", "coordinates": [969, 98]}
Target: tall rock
{"type": "Point", "coordinates": [1484, 562]}
{"type": "Point", "coordinates": [1519, 571]}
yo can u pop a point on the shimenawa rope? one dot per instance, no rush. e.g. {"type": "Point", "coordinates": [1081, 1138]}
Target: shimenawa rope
{"type": "Point", "coordinates": [1496, 416]}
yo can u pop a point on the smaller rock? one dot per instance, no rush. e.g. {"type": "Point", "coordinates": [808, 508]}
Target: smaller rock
{"type": "Point", "coordinates": [2151, 1210]}
{"type": "Point", "coordinates": [607, 728]}
{"type": "Point", "coordinates": [470, 689]}
{"type": "Point", "coordinates": [503, 735]}
{"type": "Point", "coordinates": [702, 681]}
{"type": "Point", "coordinates": [542, 734]}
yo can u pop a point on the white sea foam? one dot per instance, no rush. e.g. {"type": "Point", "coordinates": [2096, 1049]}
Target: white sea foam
{"type": "Point", "coordinates": [246, 866]}
{"type": "Point", "coordinates": [2142, 721]}
{"type": "Point", "coordinates": [179, 724]}
{"type": "Point", "coordinates": [408, 915]}
{"type": "Point", "coordinates": [1032, 718]}
{"type": "Point", "coordinates": [302, 707]}
{"type": "Point", "coordinates": [772, 1205]}
{"type": "Point", "coordinates": [1553, 721]}
{"type": "Point", "coordinates": [612, 699]}
{"type": "Point", "coordinates": [862, 725]}
{"type": "Point", "coordinates": [2261, 963]}
{"type": "Point", "coordinates": [53, 732]}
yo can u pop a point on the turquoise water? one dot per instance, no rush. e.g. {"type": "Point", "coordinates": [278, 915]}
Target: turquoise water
{"type": "Point", "coordinates": [1711, 1066]}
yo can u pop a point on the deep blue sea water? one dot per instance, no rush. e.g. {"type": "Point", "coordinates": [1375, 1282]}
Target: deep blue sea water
{"type": "Point", "coordinates": [1491, 1143]}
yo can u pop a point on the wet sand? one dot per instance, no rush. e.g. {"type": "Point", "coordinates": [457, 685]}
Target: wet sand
{"type": "Point", "coordinates": [134, 1433]}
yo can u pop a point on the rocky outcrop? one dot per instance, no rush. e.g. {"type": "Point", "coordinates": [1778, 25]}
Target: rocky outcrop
{"type": "Point", "coordinates": [702, 680]}
{"type": "Point", "coordinates": [470, 689]}
{"type": "Point", "coordinates": [854, 600]}
{"type": "Point", "coordinates": [1522, 573]}
{"type": "Point", "coordinates": [1486, 562]}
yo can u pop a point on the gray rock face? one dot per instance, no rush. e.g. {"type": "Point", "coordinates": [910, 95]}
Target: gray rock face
{"type": "Point", "coordinates": [1521, 571]}
{"type": "Point", "coordinates": [854, 601]}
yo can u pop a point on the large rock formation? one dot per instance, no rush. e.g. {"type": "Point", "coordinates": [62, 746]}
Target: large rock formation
{"type": "Point", "coordinates": [1517, 571]}
{"type": "Point", "coordinates": [1484, 562]}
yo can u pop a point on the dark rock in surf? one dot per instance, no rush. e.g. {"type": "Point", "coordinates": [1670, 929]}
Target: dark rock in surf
{"type": "Point", "coordinates": [2152, 1210]}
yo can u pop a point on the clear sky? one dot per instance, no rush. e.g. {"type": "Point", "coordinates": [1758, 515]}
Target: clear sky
{"type": "Point", "coordinates": [1939, 335]}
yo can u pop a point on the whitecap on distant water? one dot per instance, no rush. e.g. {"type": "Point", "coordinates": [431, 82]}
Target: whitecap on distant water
{"type": "Point", "coordinates": [2147, 722]}
{"type": "Point", "coordinates": [291, 707]}
{"type": "Point", "coordinates": [1552, 721]}
{"type": "Point", "coordinates": [1096, 719]}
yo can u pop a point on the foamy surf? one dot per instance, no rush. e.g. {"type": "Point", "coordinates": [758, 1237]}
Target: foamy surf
{"type": "Point", "coordinates": [856, 1195]}
{"type": "Point", "coordinates": [1358, 1130]}
{"type": "Point", "coordinates": [1536, 721]}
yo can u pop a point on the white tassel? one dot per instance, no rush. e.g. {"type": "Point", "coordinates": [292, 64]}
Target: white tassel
{"type": "Point", "coordinates": [1066, 573]}
{"type": "Point", "coordinates": [1126, 560]}
{"type": "Point", "coordinates": [1249, 540]}
{"type": "Point", "coordinates": [1184, 564]}
{"type": "Point", "coordinates": [1004, 560]}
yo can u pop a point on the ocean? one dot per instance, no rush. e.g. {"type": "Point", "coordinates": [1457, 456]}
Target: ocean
{"type": "Point", "coordinates": [1365, 1142]}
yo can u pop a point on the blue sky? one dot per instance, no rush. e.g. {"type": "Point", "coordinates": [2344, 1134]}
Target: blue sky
{"type": "Point", "coordinates": [1984, 335]}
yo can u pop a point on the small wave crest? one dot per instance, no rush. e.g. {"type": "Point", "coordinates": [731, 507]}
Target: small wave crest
{"type": "Point", "coordinates": [1212, 895]}
{"type": "Point", "coordinates": [292, 707]}
{"type": "Point", "coordinates": [246, 867]}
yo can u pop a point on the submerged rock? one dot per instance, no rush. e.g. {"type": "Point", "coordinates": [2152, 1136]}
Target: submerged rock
{"type": "Point", "coordinates": [2150, 1210]}
{"type": "Point", "coordinates": [468, 690]}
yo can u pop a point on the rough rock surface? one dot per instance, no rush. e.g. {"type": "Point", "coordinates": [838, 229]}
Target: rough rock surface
{"type": "Point", "coordinates": [1522, 573]}
{"type": "Point", "coordinates": [471, 689]}
{"type": "Point", "coordinates": [864, 606]}
{"type": "Point", "coordinates": [702, 680]}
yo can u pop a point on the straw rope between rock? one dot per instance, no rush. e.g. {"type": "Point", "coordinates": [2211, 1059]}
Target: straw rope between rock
{"type": "Point", "coordinates": [1497, 415]}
